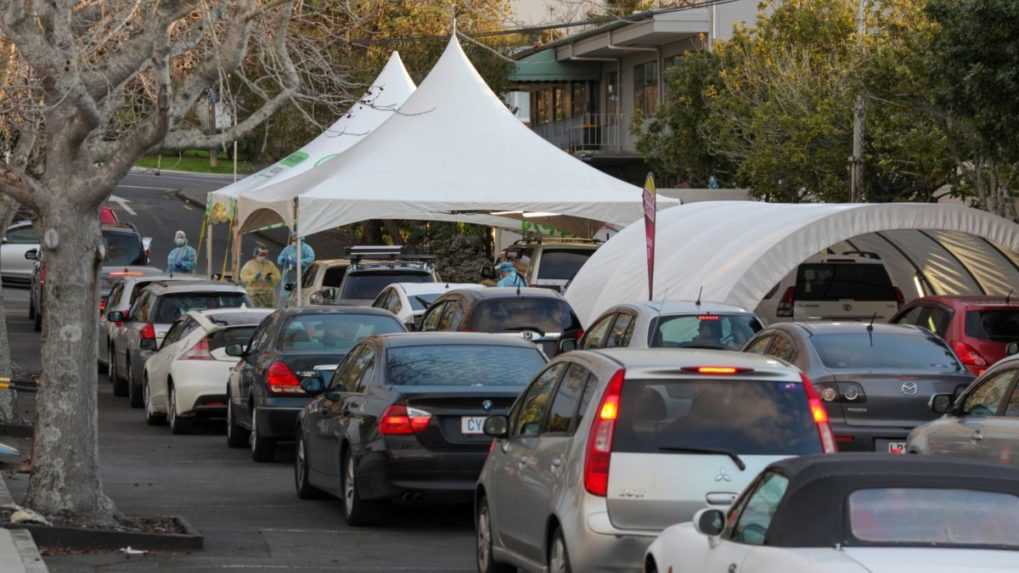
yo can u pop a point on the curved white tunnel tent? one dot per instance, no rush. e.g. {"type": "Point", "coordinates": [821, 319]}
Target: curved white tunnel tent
{"type": "Point", "coordinates": [738, 251]}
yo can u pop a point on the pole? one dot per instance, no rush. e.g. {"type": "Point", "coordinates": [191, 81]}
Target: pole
{"type": "Point", "coordinates": [208, 247]}
{"type": "Point", "coordinates": [300, 278]}
{"type": "Point", "coordinates": [859, 116]}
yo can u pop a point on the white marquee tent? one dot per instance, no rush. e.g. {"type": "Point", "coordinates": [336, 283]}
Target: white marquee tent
{"type": "Point", "coordinates": [738, 251]}
{"type": "Point", "coordinates": [455, 152]}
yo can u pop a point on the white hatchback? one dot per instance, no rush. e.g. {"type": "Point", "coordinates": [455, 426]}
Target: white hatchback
{"type": "Point", "coordinates": [409, 301]}
{"type": "Point", "coordinates": [186, 378]}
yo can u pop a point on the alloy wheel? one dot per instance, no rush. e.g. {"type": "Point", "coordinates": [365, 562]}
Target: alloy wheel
{"type": "Point", "coordinates": [348, 485]}
{"type": "Point", "coordinates": [484, 538]}
{"type": "Point", "coordinates": [171, 408]}
{"type": "Point", "coordinates": [147, 399]}
{"type": "Point", "coordinates": [253, 436]}
{"type": "Point", "coordinates": [229, 419]}
{"type": "Point", "coordinates": [299, 465]}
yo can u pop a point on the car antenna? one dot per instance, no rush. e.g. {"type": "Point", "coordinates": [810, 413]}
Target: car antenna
{"type": "Point", "coordinates": [870, 329]}
{"type": "Point", "coordinates": [699, 293]}
{"type": "Point", "coordinates": [1008, 297]}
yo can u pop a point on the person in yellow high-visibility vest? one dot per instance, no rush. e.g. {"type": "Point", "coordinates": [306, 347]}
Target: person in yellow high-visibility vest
{"type": "Point", "coordinates": [259, 277]}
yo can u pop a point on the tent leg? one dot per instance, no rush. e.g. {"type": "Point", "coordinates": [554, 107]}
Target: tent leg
{"type": "Point", "coordinates": [208, 249]}
{"type": "Point", "coordinates": [236, 247]}
{"type": "Point", "coordinates": [297, 289]}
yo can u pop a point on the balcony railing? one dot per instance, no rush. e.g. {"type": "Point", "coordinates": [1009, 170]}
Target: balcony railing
{"type": "Point", "coordinates": [588, 132]}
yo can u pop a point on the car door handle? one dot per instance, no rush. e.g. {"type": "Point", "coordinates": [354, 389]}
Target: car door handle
{"type": "Point", "coordinates": [556, 466]}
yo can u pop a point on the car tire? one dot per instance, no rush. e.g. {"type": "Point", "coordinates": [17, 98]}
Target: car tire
{"type": "Point", "coordinates": [134, 391]}
{"type": "Point", "coordinates": [119, 384]}
{"type": "Point", "coordinates": [31, 305]}
{"type": "Point", "coordinates": [304, 489]}
{"type": "Point", "coordinates": [152, 417]}
{"type": "Point", "coordinates": [236, 436]}
{"type": "Point", "coordinates": [178, 425]}
{"type": "Point", "coordinates": [650, 566]}
{"type": "Point", "coordinates": [262, 449]}
{"type": "Point", "coordinates": [37, 322]}
{"type": "Point", "coordinates": [104, 367]}
{"type": "Point", "coordinates": [558, 556]}
{"type": "Point", "coordinates": [356, 511]}
{"type": "Point", "coordinates": [484, 542]}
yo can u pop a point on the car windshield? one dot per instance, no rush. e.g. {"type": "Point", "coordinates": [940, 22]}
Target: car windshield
{"type": "Point", "coordinates": [742, 416]}
{"type": "Point", "coordinates": [368, 285]}
{"type": "Point", "coordinates": [849, 281]}
{"type": "Point", "coordinates": [997, 325]}
{"type": "Point", "coordinates": [422, 301]}
{"type": "Point", "coordinates": [123, 249]}
{"type": "Point", "coordinates": [721, 331]}
{"type": "Point", "coordinates": [934, 516]}
{"type": "Point", "coordinates": [462, 365]}
{"type": "Point", "coordinates": [562, 264]}
{"type": "Point", "coordinates": [239, 335]}
{"type": "Point", "coordinates": [522, 313]}
{"type": "Point", "coordinates": [171, 306]}
{"type": "Point", "coordinates": [333, 332]}
{"type": "Point", "coordinates": [900, 351]}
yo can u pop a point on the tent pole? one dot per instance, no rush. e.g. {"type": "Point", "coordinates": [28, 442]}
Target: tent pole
{"type": "Point", "coordinates": [236, 248]}
{"type": "Point", "coordinates": [300, 300]}
{"type": "Point", "coordinates": [208, 247]}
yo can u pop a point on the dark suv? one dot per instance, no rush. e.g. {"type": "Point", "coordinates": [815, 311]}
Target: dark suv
{"type": "Point", "coordinates": [373, 269]}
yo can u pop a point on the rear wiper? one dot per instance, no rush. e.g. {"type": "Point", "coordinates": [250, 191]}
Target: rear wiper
{"type": "Point", "coordinates": [423, 301]}
{"type": "Point", "coordinates": [731, 454]}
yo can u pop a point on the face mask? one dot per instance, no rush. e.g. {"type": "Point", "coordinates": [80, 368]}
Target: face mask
{"type": "Point", "coordinates": [180, 242]}
{"type": "Point", "coordinates": [260, 256]}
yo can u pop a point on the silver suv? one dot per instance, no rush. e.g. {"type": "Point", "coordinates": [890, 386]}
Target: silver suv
{"type": "Point", "coordinates": [672, 324]}
{"type": "Point", "coordinates": [607, 448]}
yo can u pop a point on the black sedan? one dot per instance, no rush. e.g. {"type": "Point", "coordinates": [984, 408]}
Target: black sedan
{"type": "Point", "coordinates": [402, 417]}
{"type": "Point", "coordinates": [875, 380]}
{"type": "Point", "coordinates": [264, 393]}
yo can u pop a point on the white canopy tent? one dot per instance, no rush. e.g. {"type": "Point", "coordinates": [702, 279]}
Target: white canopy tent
{"type": "Point", "coordinates": [454, 152]}
{"type": "Point", "coordinates": [739, 250]}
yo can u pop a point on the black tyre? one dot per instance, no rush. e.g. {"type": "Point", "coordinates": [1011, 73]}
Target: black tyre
{"type": "Point", "coordinates": [262, 449]}
{"type": "Point", "coordinates": [152, 417]}
{"type": "Point", "coordinates": [483, 535]}
{"type": "Point", "coordinates": [37, 323]}
{"type": "Point", "coordinates": [178, 425]}
{"type": "Point", "coordinates": [119, 384]}
{"type": "Point", "coordinates": [304, 489]}
{"type": "Point", "coordinates": [558, 556]}
{"type": "Point", "coordinates": [236, 436]}
{"type": "Point", "coordinates": [31, 307]}
{"type": "Point", "coordinates": [356, 511]}
{"type": "Point", "coordinates": [134, 390]}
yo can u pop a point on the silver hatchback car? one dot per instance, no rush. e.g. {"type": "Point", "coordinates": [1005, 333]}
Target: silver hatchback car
{"type": "Point", "coordinates": [607, 448]}
{"type": "Point", "coordinates": [672, 324]}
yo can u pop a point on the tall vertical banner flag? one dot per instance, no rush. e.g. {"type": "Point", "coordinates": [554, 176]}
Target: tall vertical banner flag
{"type": "Point", "coordinates": [650, 207]}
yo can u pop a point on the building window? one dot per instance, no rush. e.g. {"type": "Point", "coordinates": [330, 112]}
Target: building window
{"type": "Point", "coordinates": [562, 102]}
{"type": "Point", "coordinates": [645, 88]}
{"type": "Point", "coordinates": [542, 106]}
{"type": "Point", "coordinates": [580, 103]}
{"type": "Point", "coordinates": [612, 93]}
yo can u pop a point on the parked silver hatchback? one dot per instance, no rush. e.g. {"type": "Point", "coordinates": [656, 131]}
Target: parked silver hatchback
{"type": "Point", "coordinates": [606, 448]}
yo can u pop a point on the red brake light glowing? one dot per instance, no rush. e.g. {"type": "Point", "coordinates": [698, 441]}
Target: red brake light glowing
{"type": "Point", "coordinates": [148, 332]}
{"type": "Point", "coordinates": [399, 420]}
{"type": "Point", "coordinates": [200, 351]}
{"type": "Point", "coordinates": [820, 416]}
{"type": "Point", "coordinates": [716, 370]}
{"type": "Point", "coordinates": [709, 317]}
{"type": "Point", "coordinates": [599, 441]}
{"type": "Point", "coordinates": [281, 379]}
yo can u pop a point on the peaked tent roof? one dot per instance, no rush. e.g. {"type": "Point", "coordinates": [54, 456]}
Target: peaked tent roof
{"type": "Point", "coordinates": [454, 152]}
{"type": "Point", "coordinates": [386, 94]}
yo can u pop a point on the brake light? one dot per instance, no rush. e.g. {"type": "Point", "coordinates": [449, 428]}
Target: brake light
{"type": "Point", "coordinates": [716, 370]}
{"type": "Point", "coordinates": [200, 351]}
{"type": "Point", "coordinates": [599, 441]}
{"type": "Point", "coordinates": [103, 301]}
{"type": "Point", "coordinates": [970, 358]}
{"type": "Point", "coordinates": [281, 380]}
{"type": "Point", "coordinates": [820, 416]}
{"type": "Point", "coordinates": [148, 332]}
{"type": "Point", "coordinates": [785, 306]}
{"type": "Point", "coordinates": [399, 420]}
{"type": "Point", "coordinates": [898, 296]}
{"type": "Point", "coordinates": [709, 317]}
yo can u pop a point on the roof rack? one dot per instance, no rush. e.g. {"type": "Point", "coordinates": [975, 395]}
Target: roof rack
{"type": "Point", "coordinates": [360, 255]}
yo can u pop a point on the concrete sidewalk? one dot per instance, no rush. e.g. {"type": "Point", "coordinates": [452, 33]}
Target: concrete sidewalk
{"type": "Point", "coordinates": [18, 553]}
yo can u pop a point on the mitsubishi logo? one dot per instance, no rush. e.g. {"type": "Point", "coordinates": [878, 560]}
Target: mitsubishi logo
{"type": "Point", "coordinates": [723, 476]}
{"type": "Point", "coordinates": [486, 405]}
{"type": "Point", "coordinates": [909, 388]}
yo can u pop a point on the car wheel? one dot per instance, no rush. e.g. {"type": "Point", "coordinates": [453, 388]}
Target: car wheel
{"type": "Point", "coordinates": [31, 306]}
{"type": "Point", "coordinates": [119, 385]}
{"type": "Point", "coordinates": [178, 425]}
{"type": "Point", "coordinates": [558, 557]}
{"type": "Point", "coordinates": [152, 417]}
{"type": "Point", "coordinates": [236, 436]}
{"type": "Point", "coordinates": [37, 323]}
{"type": "Point", "coordinates": [356, 511]}
{"type": "Point", "coordinates": [650, 566]}
{"type": "Point", "coordinates": [134, 391]}
{"type": "Point", "coordinates": [262, 449]}
{"type": "Point", "coordinates": [304, 489]}
{"type": "Point", "coordinates": [484, 529]}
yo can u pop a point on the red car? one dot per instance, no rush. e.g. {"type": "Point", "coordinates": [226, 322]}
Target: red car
{"type": "Point", "coordinates": [978, 328]}
{"type": "Point", "coordinates": [107, 216]}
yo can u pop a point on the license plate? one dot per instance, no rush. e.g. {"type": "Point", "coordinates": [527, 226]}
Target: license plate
{"type": "Point", "coordinates": [896, 448]}
{"type": "Point", "coordinates": [472, 425]}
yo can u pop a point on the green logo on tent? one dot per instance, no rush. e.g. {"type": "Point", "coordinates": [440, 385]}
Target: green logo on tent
{"type": "Point", "coordinates": [294, 158]}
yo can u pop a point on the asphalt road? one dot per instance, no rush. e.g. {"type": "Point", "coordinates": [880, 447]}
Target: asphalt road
{"type": "Point", "coordinates": [248, 512]}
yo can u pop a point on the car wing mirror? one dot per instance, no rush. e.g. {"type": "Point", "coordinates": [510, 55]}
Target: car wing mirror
{"type": "Point", "coordinates": [115, 316]}
{"type": "Point", "coordinates": [1012, 348]}
{"type": "Point", "coordinates": [941, 403]}
{"type": "Point", "coordinates": [312, 385]}
{"type": "Point", "coordinates": [709, 521]}
{"type": "Point", "coordinates": [236, 350]}
{"type": "Point", "coordinates": [30, 254]}
{"type": "Point", "coordinates": [496, 426]}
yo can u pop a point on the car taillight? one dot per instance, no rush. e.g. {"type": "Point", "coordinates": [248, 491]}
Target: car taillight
{"type": "Point", "coordinates": [599, 440]}
{"type": "Point", "coordinates": [716, 370]}
{"type": "Point", "coordinates": [200, 351]}
{"type": "Point", "coordinates": [898, 296]}
{"type": "Point", "coordinates": [970, 358]}
{"type": "Point", "coordinates": [148, 332]}
{"type": "Point", "coordinates": [820, 416]}
{"type": "Point", "coordinates": [785, 306]}
{"type": "Point", "coordinates": [282, 380]}
{"type": "Point", "coordinates": [399, 420]}
{"type": "Point", "coordinates": [102, 303]}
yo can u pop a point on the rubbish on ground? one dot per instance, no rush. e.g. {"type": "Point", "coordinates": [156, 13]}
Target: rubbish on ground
{"type": "Point", "coordinates": [25, 515]}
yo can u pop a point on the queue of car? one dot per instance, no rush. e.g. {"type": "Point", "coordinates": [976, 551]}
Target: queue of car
{"type": "Point", "coordinates": [659, 413]}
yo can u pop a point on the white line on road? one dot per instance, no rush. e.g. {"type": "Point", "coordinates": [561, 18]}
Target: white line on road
{"type": "Point", "coordinates": [123, 204]}
{"type": "Point", "coordinates": [146, 187]}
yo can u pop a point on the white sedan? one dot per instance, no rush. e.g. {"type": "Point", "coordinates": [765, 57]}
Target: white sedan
{"type": "Point", "coordinates": [186, 378]}
{"type": "Point", "coordinates": [855, 513]}
{"type": "Point", "coordinates": [409, 301]}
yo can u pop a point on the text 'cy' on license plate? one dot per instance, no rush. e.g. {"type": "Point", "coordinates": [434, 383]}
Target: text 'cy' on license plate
{"type": "Point", "coordinates": [896, 448]}
{"type": "Point", "coordinates": [472, 424]}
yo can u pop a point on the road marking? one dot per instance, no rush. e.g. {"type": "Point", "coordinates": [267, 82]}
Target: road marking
{"type": "Point", "coordinates": [147, 187]}
{"type": "Point", "coordinates": [123, 204]}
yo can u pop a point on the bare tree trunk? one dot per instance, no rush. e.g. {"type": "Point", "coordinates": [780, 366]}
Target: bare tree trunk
{"type": "Point", "coordinates": [65, 477]}
{"type": "Point", "coordinates": [8, 403]}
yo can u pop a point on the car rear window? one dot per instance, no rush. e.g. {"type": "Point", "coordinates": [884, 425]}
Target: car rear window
{"type": "Point", "coordinates": [171, 306]}
{"type": "Point", "coordinates": [123, 249]}
{"type": "Point", "coordinates": [334, 276]}
{"type": "Point", "coordinates": [884, 350]}
{"type": "Point", "coordinates": [934, 517]}
{"type": "Point", "coordinates": [744, 416]}
{"type": "Point", "coordinates": [333, 332]}
{"type": "Point", "coordinates": [562, 264]}
{"type": "Point", "coordinates": [229, 336]}
{"type": "Point", "coordinates": [522, 313]}
{"type": "Point", "coordinates": [422, 301]}
{"type": "Point", "coordinates": [837, 281]}
{"type": "Point", "coordinates": [720, 331]}
{"type": "Point", "coordinates": [462, 365]}
{"type": "Point", "coordinates": [368, 285]}
{"type": "Point", "coordinates": [997, 325]}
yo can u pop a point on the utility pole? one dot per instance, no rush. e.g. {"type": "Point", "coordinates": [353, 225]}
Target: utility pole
{"type": "Point", "coordinates": [859, 116]}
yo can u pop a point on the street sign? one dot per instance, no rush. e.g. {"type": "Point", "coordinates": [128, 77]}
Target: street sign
{"type": "Point", "coordinates": [650, 208]}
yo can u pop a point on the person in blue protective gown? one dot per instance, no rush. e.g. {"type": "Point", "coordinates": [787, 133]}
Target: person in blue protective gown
{"type": "Point", "coordinates": [287, 261]}
{"type": "Point", "coordinates": [183, 257]}
{"type": "Point", "coordinates": [508, 275]}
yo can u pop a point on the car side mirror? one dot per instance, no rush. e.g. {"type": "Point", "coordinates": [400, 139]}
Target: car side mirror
{"type": "Point", "coordinates": [312, 385]}
{"type": "Point", "coordinates": [709, 521]}
{"type": "Point", "coordinates": [235, 350]}
{"type": "Point", "coordinates": [30, 254]}
{"type": "Point", "coordinates": [941, 403]}
{"type": "Point", "coordinates": [115, 316]}
{"type": "Point", "coordinates": [147, 344]}
{"type": "Point", "coordinates": [496, 426]}
{"type": "Point", "coordinates": [1012, 348]}
{"type": "Point", "coordinates": [567, 345]}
